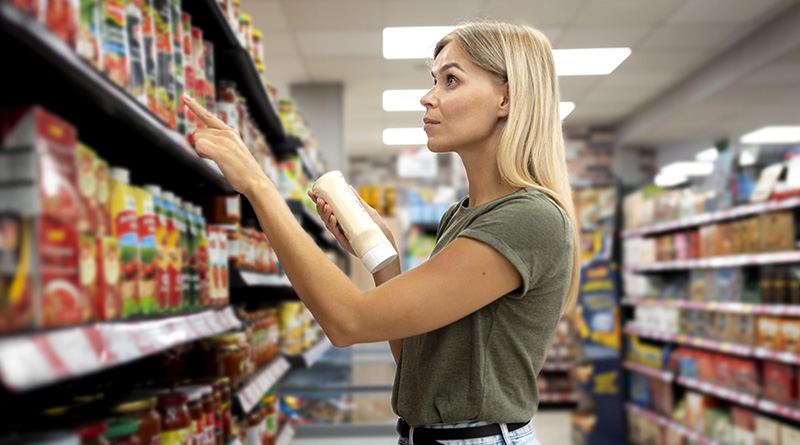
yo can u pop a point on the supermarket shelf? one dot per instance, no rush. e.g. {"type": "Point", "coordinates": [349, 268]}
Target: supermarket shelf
{"type": "Point", "coordinates": [674, 426]}
{"type": "Point", "coordinates": [108, 111]}
{"type": "Point", "coordinates": [566, 397]}
{"type": "Point", "coordinates": [718, 391]}
{"type": "Point", "coordinates": [779, 410]}
{"type": "Point", "coordinates": [752, 209]}
{"type": "Point", "coordinates": [243, 277]}
{"type": "Point", "coordinates": [233, 62]}
{"type": "Point", "coordinates": [703, 343]}
{"type": "Point", "coordinates": [308, 358]}
{"type": "Point", "coordinates": [718, 306]}
{"type": "Point", "coordinates": [33, 360]}
{"type": "Point", "coordinates": [778, 356]}
{"type": "Point", "coordinates": [261, 382]}
{"type": "Point", "coordinates": [293, 145]}
{"type": "Point", "coordinates": [286, 435]}
{"type": "Point", "coordinates": [308, 218]}
{"type": "Point", "coordinates": [665, 376]}
{"type": "Point", "coordinates": [717, 262]}
{"type": "Point", "coordinates": [557, 366]}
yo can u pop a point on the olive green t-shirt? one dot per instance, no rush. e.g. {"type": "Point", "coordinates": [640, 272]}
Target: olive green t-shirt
{"type": "Point", "coordinates": [483, 367]}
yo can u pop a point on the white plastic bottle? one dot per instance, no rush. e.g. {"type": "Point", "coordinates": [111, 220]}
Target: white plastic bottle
{"type": "Point", "coordinates": [367, 239]}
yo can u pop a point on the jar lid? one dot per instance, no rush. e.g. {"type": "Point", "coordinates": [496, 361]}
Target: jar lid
{"type": "Point", "coordinates": [134, 404]}
{"type": "Point", "coordinates": [49, 438]}
{"type": "Point", "coordinates": [193, 393]}
{"type": "Point", "coordinates": [256, 33]}
{"type": "Point", "coordinates": [121, 426]}
{"type": "Point", "coordinates": [171, 399]}
{"type": "Point", "coordinates": [92, 430]}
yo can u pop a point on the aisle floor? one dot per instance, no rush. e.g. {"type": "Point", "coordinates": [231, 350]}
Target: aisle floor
{"type": "Point", "coordinates": [552, 428]}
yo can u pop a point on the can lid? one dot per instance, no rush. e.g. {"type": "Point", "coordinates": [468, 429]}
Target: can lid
{"type": "Point", "coordinates": [154, 189]}
{"type": "Point", "coordinates": [256, 33]}
{"type": "Point", "coordinates": [120, 174]}
{"type": "Point", "coordinates": [121, 426]}
{"type": "Point", "coordinates": [379, 257]}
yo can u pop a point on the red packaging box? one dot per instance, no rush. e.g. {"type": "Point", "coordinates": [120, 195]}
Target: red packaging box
{"type": "Point", "coordinates": [61, 17]}
{"type": "Point", "coordinates": [87, 189]}
{"type": "Point", "coordinates": [744, 425]}
{"type": "Point", "coordinates": [40, 160]}
{"type": "Point", "coordinates": [108, 305]}
{"type": "Point", "coordinates": [694, 244]}
{"type": "Point", "coordinates": [54, 266]}
{"type": "Point", "coordinates": [780, 383]}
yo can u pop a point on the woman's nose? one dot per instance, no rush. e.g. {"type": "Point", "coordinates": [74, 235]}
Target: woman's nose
{"type": "Point", "coordinates": [428, 99]}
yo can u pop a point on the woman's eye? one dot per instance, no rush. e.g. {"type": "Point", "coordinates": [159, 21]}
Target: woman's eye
{"type": "Point", "coordinates": [451, 80]}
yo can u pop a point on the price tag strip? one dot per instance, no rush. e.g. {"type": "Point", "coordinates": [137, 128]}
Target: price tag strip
{"type": "Point", "coordinates": [664, 376]}
{"type": "Point", "coordinates": [261, 382]}
{"type": "Point", "coordinates": [717, 262]}
{"type": "Point", "coordinates": [32, 360]}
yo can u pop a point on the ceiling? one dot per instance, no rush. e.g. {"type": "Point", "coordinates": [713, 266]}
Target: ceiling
{"type": "Point", "coordinates": [672, 40]}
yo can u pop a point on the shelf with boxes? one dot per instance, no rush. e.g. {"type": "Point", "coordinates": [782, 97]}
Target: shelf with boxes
{"type": "Point", "coordinates": [717, 262]}
{"type": "Point", "coordinates": [555, 397]}
{"type": "Point", "coordinates": [664, 376]}
{"type": "Point", "coordinates": [651, 431]}
{"type": "Point", "coordinates": [721, 306]}
{"type": "Point", "coordinates": [557, 366]}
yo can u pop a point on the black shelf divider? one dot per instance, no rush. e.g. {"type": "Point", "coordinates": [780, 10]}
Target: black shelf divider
{"type": "Point", "coordinates": [108, 119]}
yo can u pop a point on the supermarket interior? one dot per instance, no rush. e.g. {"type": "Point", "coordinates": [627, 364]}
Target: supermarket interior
{"type": "Point", "coordinates": [141, 303]}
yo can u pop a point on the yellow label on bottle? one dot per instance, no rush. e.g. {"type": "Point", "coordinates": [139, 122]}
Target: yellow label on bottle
{"type": "Point", "coordinates": [176, 437]}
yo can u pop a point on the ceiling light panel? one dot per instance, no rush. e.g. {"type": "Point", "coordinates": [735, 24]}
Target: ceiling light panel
{"type": "Point", "coordinates": [565, 108]}
{"type": "Point", "coordinates": [786, 134]}
{"type": "Point", "coordinates": [412, 42]}
{"type": "Point", "coordinates": [589, 61]}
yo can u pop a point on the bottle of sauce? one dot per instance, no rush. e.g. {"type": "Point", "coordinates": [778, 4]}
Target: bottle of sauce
{"type": "Point", "coordinates": [176, 422]}
{"type": "Point", "coordinates": [122, 431]}
{"type": "Point", "coordinates": [368, 241]}
{"type": "Point", "coordinates": [125, 229]}
{"type": "Point", "coordinates": [142, 409]}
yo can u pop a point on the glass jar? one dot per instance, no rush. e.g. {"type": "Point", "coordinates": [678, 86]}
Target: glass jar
{"type": "Point", "coordinates": [228, 427]}
{"type": "Point", "coordinates": [176, 423]}
{"type": "Point", "coordinates": [227, 109]}
{"type": "Point", "coordinates": [194, 404]}
{"type": "Point", "coordinates": [122, 431]}
{"type": "Point", "coordinates": [143, 410]}
{"type": "Point", "coordinates": [247, 31]}
{"type": "Point", "coordinates": [258, 47]}
{"type": "Point", "coordinates": [209, 414]}
{"type": "Point", "coordinates": [224, 357]}
{"type": "Point", "coordinates": [93, 434]}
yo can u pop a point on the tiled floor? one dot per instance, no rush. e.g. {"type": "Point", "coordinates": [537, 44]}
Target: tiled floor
{"type": "Point", "coordinates": [552, 428]}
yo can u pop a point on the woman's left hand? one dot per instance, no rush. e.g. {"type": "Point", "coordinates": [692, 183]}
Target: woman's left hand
{"type": "Point", "coordinates": [222, 144]}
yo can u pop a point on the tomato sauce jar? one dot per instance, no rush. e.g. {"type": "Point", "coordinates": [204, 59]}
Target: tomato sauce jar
{"type": "Point", "coordinates": [143, 410]}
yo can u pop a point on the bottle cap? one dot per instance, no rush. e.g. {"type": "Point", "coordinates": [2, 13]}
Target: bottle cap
{"type": "Point", "coordinates": [154, 189]}
{"type": "Point", "coordinates": [120, 174]}
{"type": "Point", "coordinates": [379, 257]}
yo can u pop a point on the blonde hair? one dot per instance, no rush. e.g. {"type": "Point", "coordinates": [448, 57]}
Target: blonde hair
{"type": "Point", "coordinates": [530, 152]}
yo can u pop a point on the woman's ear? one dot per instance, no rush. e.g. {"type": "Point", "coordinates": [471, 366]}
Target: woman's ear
{"type": "Point", "coordinates": [502, 111]}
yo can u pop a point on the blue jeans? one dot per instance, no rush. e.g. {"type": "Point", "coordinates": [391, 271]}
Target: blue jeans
{"type": "Point", "coordinates": [522, 436]}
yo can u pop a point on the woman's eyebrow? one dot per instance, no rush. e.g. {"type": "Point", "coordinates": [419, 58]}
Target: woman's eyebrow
{"type": "Point", "coordinates": [447, 66]}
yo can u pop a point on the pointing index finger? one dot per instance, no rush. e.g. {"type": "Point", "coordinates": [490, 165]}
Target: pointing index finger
{"type": "Point", "coordinates": [204, 115]}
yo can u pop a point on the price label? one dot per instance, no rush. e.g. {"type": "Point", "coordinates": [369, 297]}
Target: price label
{"type": "Point", "coordinates": [710, 306]}
{"type": "Point", "coordinates": [725, 347]}
{"type": "Point", "coordinates": [697, 342]}
{"type": "Point", "coordinates": [682, 338]}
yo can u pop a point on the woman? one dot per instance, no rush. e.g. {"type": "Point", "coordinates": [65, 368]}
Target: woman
{"type": "Point", "coordinates": [470, 328]}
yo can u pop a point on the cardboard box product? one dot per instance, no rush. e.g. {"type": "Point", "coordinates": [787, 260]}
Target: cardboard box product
{"type": "Point", "coordinates": [695, 408]}
{"type": "Point", "coordinates": [88, 44]}
{"type": "Point", "coordinates": [789, 435]}
{"type": "Point", "coordinates": [719, 425]}
{"type": "Point", "coordinates": [103, 196]}
{"type": "Point", "coordinates": [790, 334]}
{"type": "Point", "coordinates": [681, 246]}
{"type": "Point", "coordinates": [744, 426]}
{"type": "Point", "coordinates": [729, 284]}
{"type": "Point", "coordinates": [752, 235]}
{"type": "Point", "coordinates": [777, 231]}
{"type": "Point", "coordinates": [87, 188]}
{"type": "Point", "coordinates": [707, 247]}
{"type": "Point", "coordinates": [725, 244]}
{"type": "Point", "coordinates": [694, 244]}
{"type": "Point", "coordinates": [742, 328]}
{"type": "Point", "coordinates": [768, 333]}
{"type": "Point", "coordinates": [88, 275]}
{"type": "Point", "coordinates": [55, 270]}
{"type": "Point", "coordinates": [767, 431]}
{"type": "Point", "coordinates": [108, 305]}
{"type": "Point", "coordinates": [780, 383]}
{"type": "Point", "coordinates": [737, 229]}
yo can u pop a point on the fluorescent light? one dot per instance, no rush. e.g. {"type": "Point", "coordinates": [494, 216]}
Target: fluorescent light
{"type": "Point", "coordinates": [708, 155]}
{"type": "Point", "coordinates": [565, 108]}
{"type": "Point", "coordinates": [787, 134]}
{"type": "Point", "coordinates": [669, 179]}
{"type": "Point", "coordinates": [688, 168]}
{"type": "Point", "coordinates": [405, 136]}
{"type": "Point", "coordinates": [412, 42]}
{"type": "Point", "coordinates": [589, 61]}
{"type": "Point", "coordinates": [403, 100]}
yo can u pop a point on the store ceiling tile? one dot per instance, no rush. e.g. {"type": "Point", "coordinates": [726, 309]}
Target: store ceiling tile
{"type": "Point", "coordinates": [429, 13]}
{"type": "Point", "coordinates": [574, 87]}
{"type": "Point", "coordinates": [267, 15]}
{"type": "Point", "coordinates": [340, 43]}
{"type": "Point", "coordinates": [328, 15]}
{"type": "Point", "coordinates": [538, 13]}
{"type": "Point", "coordinates": [626, 95]}
{"type": "Point", "coordinates": [707, 12]}
{"type": "Point", "coordinates": [682, 61]}
{"type": "Point", "coordinates": [625, 12]}
{"type": "Point", "coordinates": [603, 114]}
{"type": "Point", "coordinates": [694, 37]}
{"type": "Point", "coordinates": [600, 36]}
{"type": "Point", "coordinates": [278, 44]}
{"type": "Point", "coordinates": [781, 73]}
{"type": "Point", "coordinates": [338, 69]}
{"type": "Point", "coordinates": [283, 68]}
{"type": "Point", "coordinates": [653, 79]}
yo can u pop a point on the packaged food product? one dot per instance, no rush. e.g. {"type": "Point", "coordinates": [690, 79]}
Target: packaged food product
{"type": "Point", "coordinates": [176, 422]}
{"type": "Point", "coordinates": [769, 333]}
{"type": "Point", "coordinates": [214, 254]}
{"type": "Point", "coordinates": [233, 8]}
{"type": "Point", "coordinates": [103, 189]}
{"type": "Point", "coordinates": [165, 89]}
{"type": "Point", "coordinates": [744, 427]}
{"type": "Point", "coordinates": [190, 269]}
{"type": "Point", "coordinates": [149, 54]}
{"type": "Point", "coordinates": [188, 70]}
{"type": "Point", "coordinates": [62, 302]}
{"type": "Point", "coordinates": [209, 413]}
{"type": "Point", "coordinates": [125, 230]}
{"type": "Point", "coordinates": [61, 17]}
{"type": "Point", "coordinates": [92, 433]}
{"type": "Point", "coordinates": [194, 404]}
{"type": "Point", "coordinates": [88, 275]}
{"type": "Point", "coordinates": [227, 104]}
{"type": "Point", "coordinates": [109, 291]}
{"type": "Point", "coordinates": [790, 334]}
{"type": "Point", "coordinates": [224, 272]}
{"type": "Point", "coordinates": [177, 66]}
{"type": "Point", "coordinates": [44, 153]}
{"type": "Point", "coordinates": [148, 251]}
{"type": "Point", "coordinates": [162, 254]}
{"type": "Point", "coordinates": [258, 47]}
{"type": "Point", "coordinates": [777, 231]}
{"type": "Point", "coordinates": [29, 6]}
{"type": "Point", "coordinates": [202, 259]}
{"type": "Point", "coordinates": [175, 259]}
{"type": "Point", "coordinates": [789, 435]}
{"type": "Point", "coordinates": [198, 53]}
{"type": "Point", "coordinates": [246, 22]}
{"type": "Point", "coordinates": [767, 431]}
{"type": "Point", "coordinates": [114, 42]}
{"type": "Point", "coordinates": [137, 86]}
{"type": "Point", "coordinates": [367, 239]}
{"type": "Point", "coordinates": [210, 77]}
{"type": "Point", "coordinates": [142, 409]}
{"type": "Point", "coordinates": [16, 281]}
{"type": "Point", "coordinates": [224, 357]}
{"type": "Point", "coordinates": [183, 248]}
{"type": "Point", "coordinates": [89, 32]}
{"type": "Point", "coordinates": [87, 188]}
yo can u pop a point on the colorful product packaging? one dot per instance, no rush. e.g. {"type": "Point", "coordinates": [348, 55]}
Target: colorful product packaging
{"type": "Point", "coordinates": [125, 230]}
{"type": "Point", "coordinates": [88, 274]}
{"type": "Point", "coordinates": [108, 305]}
{"type": "Point", "coordinates": [17, 292]}
{"type": "Point", "coordinates": [162, 255]}
{"type": "Point", "coordinates": [148, 251]}
{"type": "Point", "coordinates": [183, 249]}
{"type": "Point", "coordinates": [61, 17]}
{"type": "Point", "coordinates": [188, 72]}
{"type": "Point", "coordinates": [149, 54]}
{"type": "Point", "coordinates": [199, 70]}
{"type": "Point", "coordinates": [56, 272]}
{"type": "Point", "coordinates": [210, 89]}
{"type": "Point", "coordinates": [174, 259]}
{"type": "Point", "coordinates": [203, 259]}
{"type": "Point", "coordinates": [165, 92]}
{"type": "Point", "coordinates": [87, 187]}
{"type": "Point", "coordinates": [136, 60]}
{"type": "Point", "coordinates": [114, 41]}
{"type": "Point", "coordinates": [89, 32]}
{"type": "Point", "coordinates": [177, 66]}
{"type": "Point", "coordinates": [102, 196]}
{"type": "Point", "coordinates": [191, 293]}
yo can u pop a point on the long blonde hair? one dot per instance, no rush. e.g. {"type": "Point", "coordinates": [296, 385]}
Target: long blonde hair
{"type": "Point", "coordinates": [530, 152]}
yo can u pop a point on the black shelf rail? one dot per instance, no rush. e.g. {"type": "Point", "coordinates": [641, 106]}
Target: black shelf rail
{"type": "Point", "coordinates": [47, 71]}
{"type": "Point", "coordinates": [234, 63]}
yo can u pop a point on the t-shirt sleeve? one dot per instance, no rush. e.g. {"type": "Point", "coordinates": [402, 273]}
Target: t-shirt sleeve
{"type": "Point", "coordinates": [533, 234]}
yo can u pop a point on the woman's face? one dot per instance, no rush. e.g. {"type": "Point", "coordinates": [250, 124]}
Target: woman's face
{"type": "Point", "coordinates": [465, 107]}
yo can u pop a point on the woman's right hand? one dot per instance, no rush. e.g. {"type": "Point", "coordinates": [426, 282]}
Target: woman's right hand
{"type": "Point", "coordinates": [325, 212]}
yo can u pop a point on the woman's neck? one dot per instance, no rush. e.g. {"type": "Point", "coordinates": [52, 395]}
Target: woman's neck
{"type": "Point", "coordinates": [485, 183]}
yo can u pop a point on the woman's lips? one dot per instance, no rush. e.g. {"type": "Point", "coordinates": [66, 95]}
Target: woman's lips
{"type": "Point", "coordinates": [429, 123]}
